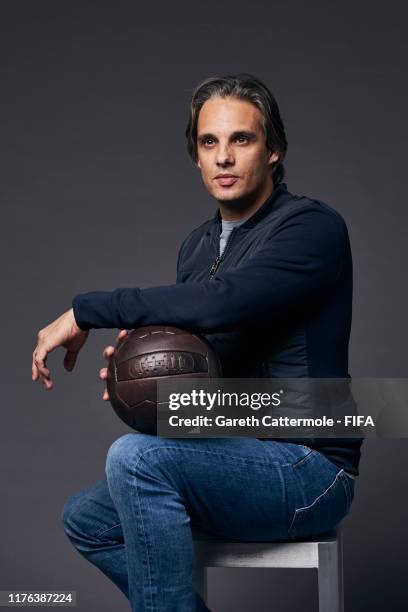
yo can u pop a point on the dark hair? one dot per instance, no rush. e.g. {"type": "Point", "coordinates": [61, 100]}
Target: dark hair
{"type": "Point", "coordinates": [242, 86]}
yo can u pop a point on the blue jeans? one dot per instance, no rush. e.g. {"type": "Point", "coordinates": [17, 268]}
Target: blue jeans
{"type": "Point", "coordinates": [136, 525]}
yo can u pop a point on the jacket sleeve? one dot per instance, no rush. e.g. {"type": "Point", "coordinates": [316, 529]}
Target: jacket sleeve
{"type": "Point", "coordinates": [296, 266]}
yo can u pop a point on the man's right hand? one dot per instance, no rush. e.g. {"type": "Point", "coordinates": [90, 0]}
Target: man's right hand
{"type": "Point", "coordinates": [107, 353]}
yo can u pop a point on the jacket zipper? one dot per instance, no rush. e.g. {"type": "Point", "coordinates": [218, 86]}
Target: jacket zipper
{"type": "Point", "coordinates": [216, 263]}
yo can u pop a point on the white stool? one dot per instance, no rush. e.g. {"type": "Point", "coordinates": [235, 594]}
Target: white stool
{"type": "Point", "coordinates": [323, 553]}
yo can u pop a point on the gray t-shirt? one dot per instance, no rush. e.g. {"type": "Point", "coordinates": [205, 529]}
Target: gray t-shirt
{"type": "Point", "coordinates": [227, 227]}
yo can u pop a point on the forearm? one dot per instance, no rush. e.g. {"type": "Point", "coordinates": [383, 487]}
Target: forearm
{"type": "Point", "coordinates": [296, 268]}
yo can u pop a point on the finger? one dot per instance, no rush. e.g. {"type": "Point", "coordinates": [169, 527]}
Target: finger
{"type": "Point", "coordinates": [105, 395]}
{"type": "Point", "coordinates": [45, 378]}
{"type": "Point", "coordinates": [34, 370]}
{"type": "Point", "coordinates": [108, 352]}
{"type": "Point", "coordinates": [103, 373]}
{"type": "Point", "coordinates": [48, 384]}
{"type": "Point", "coordinates": [70, 360]}
{"type": "Point", "coordinates": [40, 362]}
{"type": "Point", "coordinates": [43, 372]}
{"type": "Point", "coordinates": [122, 334]}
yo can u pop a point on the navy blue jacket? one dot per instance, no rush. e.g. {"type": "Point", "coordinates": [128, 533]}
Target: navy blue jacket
{"type": "Point", "coordinates": [276, 304]}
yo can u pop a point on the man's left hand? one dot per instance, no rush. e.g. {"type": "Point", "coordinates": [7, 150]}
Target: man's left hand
{"type": "Point", "coordinates": [62, 332]}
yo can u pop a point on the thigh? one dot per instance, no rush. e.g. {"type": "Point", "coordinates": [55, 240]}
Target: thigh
{"type": "Point", "coordinates": [241, 488]}
{"type": "Point", "coordinates": [92, 514]}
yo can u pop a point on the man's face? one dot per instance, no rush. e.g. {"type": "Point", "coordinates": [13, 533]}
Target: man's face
{"type": "Point", "coordinates": [231, 140]}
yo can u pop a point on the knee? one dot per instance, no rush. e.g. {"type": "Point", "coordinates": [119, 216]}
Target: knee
{"type": "Point", "coordinates": [70, 514]}
{"type": "Point", "coordinates": [125, 454]}
{"type": "Point", "coordinates": [120, 455]}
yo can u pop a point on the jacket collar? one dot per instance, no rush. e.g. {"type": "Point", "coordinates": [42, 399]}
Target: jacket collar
{"type": "Point", "coordinates": [262, 211]}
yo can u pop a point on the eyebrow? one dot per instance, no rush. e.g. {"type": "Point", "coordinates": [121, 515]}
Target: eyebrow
{"type": "Point", "coordinates": [248, 134]}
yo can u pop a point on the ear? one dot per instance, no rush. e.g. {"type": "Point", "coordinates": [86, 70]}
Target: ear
{"type": "Point", "coordinates": [198, 164]}
{"type": "Point", "coordinates": [273, 157]}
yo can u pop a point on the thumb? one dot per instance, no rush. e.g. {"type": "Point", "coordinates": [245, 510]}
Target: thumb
{"type": "Point", "coordinates": [69, 360]}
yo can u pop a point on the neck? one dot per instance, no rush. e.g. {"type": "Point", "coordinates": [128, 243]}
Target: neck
{"type": "Point", "coordinates": [242, 208]}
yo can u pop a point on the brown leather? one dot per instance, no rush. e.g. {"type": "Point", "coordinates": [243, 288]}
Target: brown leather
{"type": "Point", "coordinates": [146, 355]}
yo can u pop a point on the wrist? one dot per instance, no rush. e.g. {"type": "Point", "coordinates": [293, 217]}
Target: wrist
{"type": "Point", "coordinates": [75, 325]}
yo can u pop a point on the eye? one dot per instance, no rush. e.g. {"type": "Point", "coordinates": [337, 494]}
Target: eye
{"type": "Point", "coordinates": [241, 138]}
{"type": "Point", "coordinates": [208, 141]}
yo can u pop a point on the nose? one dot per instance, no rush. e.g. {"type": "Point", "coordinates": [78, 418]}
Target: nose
{"type": "Point", "coordinates": [224, 155]}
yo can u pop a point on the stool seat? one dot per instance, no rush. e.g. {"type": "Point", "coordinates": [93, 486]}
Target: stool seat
{"type": "Point", "coordinates": [323, 552]}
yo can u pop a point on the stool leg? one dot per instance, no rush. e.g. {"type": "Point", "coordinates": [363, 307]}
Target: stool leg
{"type": "Point", "coordinates": [201, 584]}
{"type": "Point", "coordinates": [330, 576]}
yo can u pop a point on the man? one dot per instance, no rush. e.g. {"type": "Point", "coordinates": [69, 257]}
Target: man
{"type": "Point", "coordinates": [269, 282]}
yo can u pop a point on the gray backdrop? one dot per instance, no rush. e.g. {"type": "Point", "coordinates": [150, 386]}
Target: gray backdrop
{"type": "Point", "coordinates": [97, 192]}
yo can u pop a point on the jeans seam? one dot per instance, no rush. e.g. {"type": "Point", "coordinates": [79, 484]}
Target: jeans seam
{"type": "Point", "coordinates": [347, 488]}
{"type": "Point", "coordinates": [101, 533]}
{"type": "Point", "coordinates": [149, 562]}
{"type": "Point", "coordinates": [303, 459]}
{"type": "Point", "coordinates": [221, 454]}
{"type": "Point", "coordinates": [151, 606]}
{"type": "Point", "coordinates": [337, 477]}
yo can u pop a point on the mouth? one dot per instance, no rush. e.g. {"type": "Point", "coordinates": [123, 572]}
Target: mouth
{"type": "Point", "coordinates": [226, 180]}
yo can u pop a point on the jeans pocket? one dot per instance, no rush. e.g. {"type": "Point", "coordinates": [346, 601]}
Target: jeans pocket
{"type": "Point", "coordinates": [303, 453]}
{"type": "Point", "coordinates": [326, 511]}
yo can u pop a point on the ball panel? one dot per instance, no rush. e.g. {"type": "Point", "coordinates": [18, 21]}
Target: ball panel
{"type": "Point", "coordinates": [149, 354]}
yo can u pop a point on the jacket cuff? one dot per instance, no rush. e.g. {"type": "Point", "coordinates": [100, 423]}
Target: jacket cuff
{"type": "Point", "coordinates": [93, 310]}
